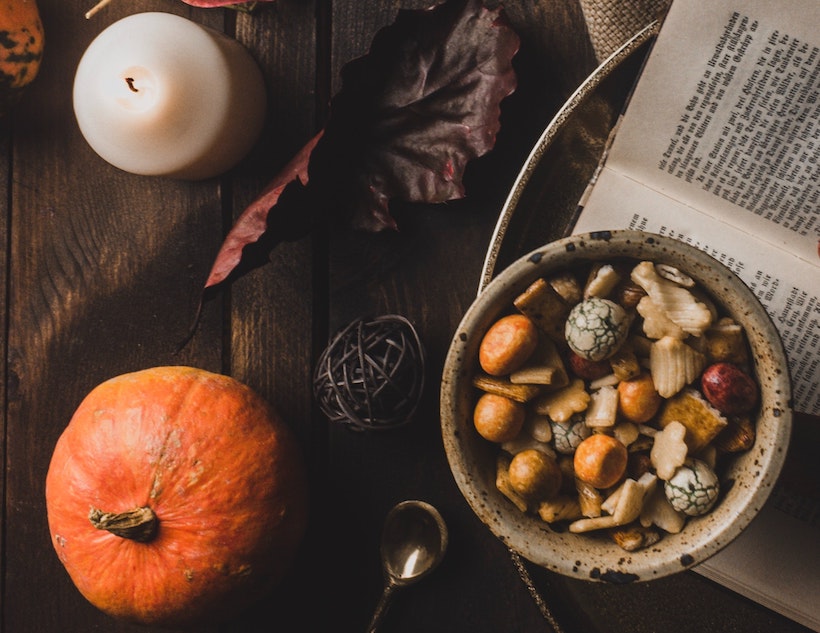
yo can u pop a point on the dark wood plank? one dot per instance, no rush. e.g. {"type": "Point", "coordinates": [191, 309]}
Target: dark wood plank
{"type": "Point", "coordinates": [5, 218]}
{"type": "Point", "coordinates": [428, 273]}
{"type": "Point", "coordinates": [103, 280]}
{"type": "Point", "coordinates": [273, 309]}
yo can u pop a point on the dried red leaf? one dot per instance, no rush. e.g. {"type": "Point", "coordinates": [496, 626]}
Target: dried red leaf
{"type": "Point", "coordinates": [240, 5]}
{"type": "Point", "coordinates": [253, 223]}
{"type": "Point", "coordinates": [416, 109]}
{"type": "Point", "coordinates": [209, 4]}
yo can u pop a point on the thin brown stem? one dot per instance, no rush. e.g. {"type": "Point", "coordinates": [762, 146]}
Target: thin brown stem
{"type": "Point", "coordinates": [139, 524]}
{"type": "Point", "coordinates": [93, 10]}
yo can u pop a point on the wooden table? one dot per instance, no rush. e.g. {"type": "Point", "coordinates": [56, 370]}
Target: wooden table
{"type": "Point", "coordinates": [102, 276]}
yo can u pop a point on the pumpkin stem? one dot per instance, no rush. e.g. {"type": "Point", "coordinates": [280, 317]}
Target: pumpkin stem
{"type": "Point", "coordinates": [139, 524]}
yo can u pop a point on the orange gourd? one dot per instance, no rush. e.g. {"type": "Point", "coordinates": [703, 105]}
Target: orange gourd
{"type": "Point", "coordinates": [21, 48]}
{"type": "Point", "coordinates": [175, 496]}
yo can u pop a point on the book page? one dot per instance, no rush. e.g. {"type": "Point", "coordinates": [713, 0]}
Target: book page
{"type": "Point", "coordinates": [726, 117]}
{"type": "Point", "coordinates": [781, 546]}
{"type": "Point", "coordinates": [786, 286]}
{"type": "Point", "coordinates": [720, 148]}
{"type": "Point", "coordinates": [759, 559]}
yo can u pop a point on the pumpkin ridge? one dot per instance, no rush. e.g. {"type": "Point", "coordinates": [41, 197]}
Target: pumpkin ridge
{"type": "Point", "coordinates": [160, 469]}
{"type": "Point", "coordinates": [181, 403]}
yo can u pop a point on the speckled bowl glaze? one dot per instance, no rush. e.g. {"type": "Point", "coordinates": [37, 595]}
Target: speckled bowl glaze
{"type": "Point", "coordinates": [746, 483]}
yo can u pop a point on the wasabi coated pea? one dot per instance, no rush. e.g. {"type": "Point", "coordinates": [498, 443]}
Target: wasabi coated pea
{"type": "Point", "coordinates": [596, 328]}
{"type": "Point", "coordinates": [693, 489]}
{"type": "Point", "coordinates": [568, 435]}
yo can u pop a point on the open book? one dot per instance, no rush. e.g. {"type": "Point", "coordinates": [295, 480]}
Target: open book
{"type": "Point", "coordinates": [720, 147]}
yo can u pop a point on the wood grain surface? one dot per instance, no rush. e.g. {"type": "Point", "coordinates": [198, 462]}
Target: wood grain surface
{"type": "Point", "coordinates": [102, 275]}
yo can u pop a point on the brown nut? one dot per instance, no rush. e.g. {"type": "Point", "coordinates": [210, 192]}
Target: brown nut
{"type": "Point", "coordinates": [638, 464]}
{"type": "Point", "coordinates": [588, 369]}
{"type": "Point", "coordinates": [535, 475]}
{"type": "Point", "coordinates": [629, 294]}
{"type": "Point", "coordinates": [507, 344]}
{"type": "Point", "coordinates": [600, 460]}
{"type": "Point", "coordinates": [738, 435]}
{"type": "Point", "coordinates": [498, 419]}
{"type": "Point", "coordinates": [567, 474]}
{"type": "Point", "coordinates": [624, 363]}
{"type": "Point", "coordinates": [729, 389]}
{"type": "Point", "coordinates": [638, 400]}
{"type": "Point", "coordinates": [635, 537]}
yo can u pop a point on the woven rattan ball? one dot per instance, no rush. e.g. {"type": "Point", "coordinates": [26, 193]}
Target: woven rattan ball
{"type": "Point", "coordinates": [371, 375]}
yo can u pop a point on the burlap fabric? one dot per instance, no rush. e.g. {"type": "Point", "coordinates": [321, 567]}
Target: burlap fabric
{"type": "Point", "coordinates": [613, 22]}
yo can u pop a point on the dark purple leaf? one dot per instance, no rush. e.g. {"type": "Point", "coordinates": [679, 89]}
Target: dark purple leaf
{"type": "Point", "coordinates": [409, 117]}
{"type": "Point", "coordinates": [415, 110]}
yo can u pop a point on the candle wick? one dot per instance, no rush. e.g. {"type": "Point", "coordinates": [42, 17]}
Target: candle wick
{"type": "Point", "coordinates": [130, 82]}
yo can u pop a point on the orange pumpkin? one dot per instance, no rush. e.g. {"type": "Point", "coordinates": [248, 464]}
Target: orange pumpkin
{"type": "Point", "coordinates": [21, 48]}
{"type": "Point", "coordinates": [175, 496]}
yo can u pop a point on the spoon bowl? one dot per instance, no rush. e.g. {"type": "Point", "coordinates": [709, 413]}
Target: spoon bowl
{"type": "Point", "coordinates": [414, 540]}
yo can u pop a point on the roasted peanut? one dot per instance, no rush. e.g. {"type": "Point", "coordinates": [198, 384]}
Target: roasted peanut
{"type": "Point", "coordinates": [498, 419]}
{"type": "Point", "coordinates": [600, 460]}
{"type": "Point", "coordinates": [638, 400]}
{"type": "Point", "coordinates": [507, 345]}
{"type": "Point", "coordinates": [535, 475]}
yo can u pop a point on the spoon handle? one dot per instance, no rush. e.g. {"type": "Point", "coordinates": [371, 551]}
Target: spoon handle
{"type": "Point", "coordinates": [381, 607]}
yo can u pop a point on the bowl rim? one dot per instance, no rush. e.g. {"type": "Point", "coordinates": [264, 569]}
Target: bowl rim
{"type": "Point", "coordinates": [753, 474]}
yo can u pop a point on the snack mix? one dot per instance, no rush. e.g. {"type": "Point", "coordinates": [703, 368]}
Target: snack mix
{"type": "Point", "coordinates": [613, 393]}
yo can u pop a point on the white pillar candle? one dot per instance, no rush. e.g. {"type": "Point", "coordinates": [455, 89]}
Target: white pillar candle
{"type": "Point", "coordinates": [156, 94]}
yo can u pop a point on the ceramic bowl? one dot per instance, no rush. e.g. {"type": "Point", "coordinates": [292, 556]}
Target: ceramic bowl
{"type": "Point", "coordinates": [746, 480]}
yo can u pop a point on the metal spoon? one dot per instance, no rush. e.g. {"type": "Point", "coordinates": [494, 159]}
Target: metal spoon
{"type": "Point", "coordinates": [414, 540]}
